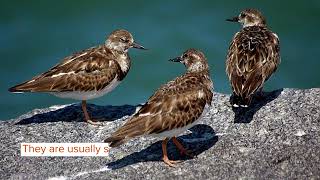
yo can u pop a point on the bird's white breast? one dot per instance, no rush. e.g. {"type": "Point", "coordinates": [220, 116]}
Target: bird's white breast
{"type": "Point", "coordinates": [86, 95]}
{"type": "Point", "coordinates": [123, 62]}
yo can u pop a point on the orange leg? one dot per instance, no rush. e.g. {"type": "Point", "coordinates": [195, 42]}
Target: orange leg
{"type": "Point", "coordinates": [86, 114]}
{"type": "Point", "coordinates": [181, 148]}
{"type": "Point", "coordinates": [165, 155]}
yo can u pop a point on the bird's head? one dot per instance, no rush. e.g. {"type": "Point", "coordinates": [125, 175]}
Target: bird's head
{"type": "Point", "coordinates": [121, 41]}
{"type": "Point", "coordinates": [193, 59]}
{"type": "Point", "coordinates": [249, 17]}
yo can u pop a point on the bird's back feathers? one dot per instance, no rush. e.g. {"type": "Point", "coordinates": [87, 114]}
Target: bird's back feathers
{"type": "Point", "coordinates": [254, 54]}
{"type": "Point", "coordinates": [174, 105]}
{"type": "Point", "coordinates": [88, 70]}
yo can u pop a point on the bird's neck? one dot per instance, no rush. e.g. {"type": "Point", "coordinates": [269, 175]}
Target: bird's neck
{"type": "Point", "coordinates": [124, 61]}
{"type": "Point", "coordinates": [197, 67]}
{"type": "Point", "coordinates": [122, 58]}
{"type": "Point", "coordinates": [253, 24]}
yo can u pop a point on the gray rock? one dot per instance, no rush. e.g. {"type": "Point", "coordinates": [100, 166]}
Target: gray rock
{"type": "Point", "coordinates": [277, 138]}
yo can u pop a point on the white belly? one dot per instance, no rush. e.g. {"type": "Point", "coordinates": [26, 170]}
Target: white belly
{"type": "Point", "coordinates": [178, 131]}
{"type": "Point", "coordinates": [80, 95]}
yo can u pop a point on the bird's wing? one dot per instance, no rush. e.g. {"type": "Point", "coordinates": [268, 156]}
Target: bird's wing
{"type": "Point", "coordinates": [165, 110]}
{"type": "Point", "coordinates": [251, 60]}
{"type": "Point", "coordinates": [88, 70]}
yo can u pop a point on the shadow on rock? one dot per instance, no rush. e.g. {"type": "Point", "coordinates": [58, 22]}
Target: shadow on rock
{"type": "Point", "coordinates": [245, 115]}
{"type": "Point", "coordinates": [75, 113]}
{"type": "Point", "coordinates": [201, 139]}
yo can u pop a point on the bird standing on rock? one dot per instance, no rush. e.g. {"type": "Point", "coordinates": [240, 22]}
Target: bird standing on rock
{"type": "Point", "coordinates": [173, 108]}
{"type": "Point", "coordinates": [88, 74]}
{"type": "Point", "coordinates": [253, 56]}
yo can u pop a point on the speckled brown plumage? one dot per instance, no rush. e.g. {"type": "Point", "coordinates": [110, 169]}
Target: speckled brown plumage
{"type": "Point", "coordinates": [177, 104]}
{"type": "Point", "coordinates": [89, 70]}
{"type": "Point", "coordinates": [87, 74]}
{"type": "Point", "coordinates": [253, 55]}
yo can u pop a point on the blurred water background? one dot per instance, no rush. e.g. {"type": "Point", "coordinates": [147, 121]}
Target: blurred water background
{"type": "Point", "coordinates": [35, 35]}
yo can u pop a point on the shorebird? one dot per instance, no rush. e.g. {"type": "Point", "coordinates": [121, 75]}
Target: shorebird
{"type": "Point", "coordinates": [87, 74]}
{"type": "Point", "coordinates": [253, 55]}
{"type": "Point", "coordinates": [173, 108]}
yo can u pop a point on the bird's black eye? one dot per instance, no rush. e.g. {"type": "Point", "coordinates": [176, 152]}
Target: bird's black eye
{"type": "Point", "coordinates": [185, 56]}
{"type": "Point", "coordinates": [124, 40]}
{"type": "Point", "coordinates": [242, 15]}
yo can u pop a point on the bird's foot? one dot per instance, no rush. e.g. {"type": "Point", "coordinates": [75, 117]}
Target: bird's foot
{"type": "Point", "coordinates": [169, 162]}
{"type": "Point", "coordinates": [93, 122]}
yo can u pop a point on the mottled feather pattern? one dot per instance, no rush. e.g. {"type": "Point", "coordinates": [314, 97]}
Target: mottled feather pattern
{"type": "Point", "coordinates": [88, 70]}
{"type": "Point", "coordinates": [174, 105]}
{"type": "Point", "coordinates": [254, 54]}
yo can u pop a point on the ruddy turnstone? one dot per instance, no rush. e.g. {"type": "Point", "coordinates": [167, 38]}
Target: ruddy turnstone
{"type": "Point", "coordinates": [88, 74]}
{"type": "Point", "coordinates": [254, 54]}
{"type": "Point", "coordinates": [173, 108]}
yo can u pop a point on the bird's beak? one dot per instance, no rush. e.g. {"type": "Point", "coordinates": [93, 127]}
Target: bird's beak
{"type": "Point", "coordinates": [138, 46]}
{"type": "Point", "coordinates": [177, 59]}
{"type": "Point", "coordinates": [234, 19]}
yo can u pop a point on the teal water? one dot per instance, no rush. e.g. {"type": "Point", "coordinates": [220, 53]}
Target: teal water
{"type": "Point", "coordinates": [35, 35]}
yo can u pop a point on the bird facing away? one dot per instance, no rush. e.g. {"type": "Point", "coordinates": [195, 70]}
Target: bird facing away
{"type": "Point", "coordinates": [253, 55]}
{"type": "Point", "coordinates": [173, 108]}
{"type": "Point", "coordinates": [87, 74]}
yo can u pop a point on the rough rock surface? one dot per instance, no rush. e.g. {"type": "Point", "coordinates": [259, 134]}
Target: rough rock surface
{"type": "Point", "coordinates": [277, 138]}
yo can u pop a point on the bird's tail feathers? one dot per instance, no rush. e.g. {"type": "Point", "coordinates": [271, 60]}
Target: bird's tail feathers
{"type": "Point", "coordinates": [132, 128]}
{"type": "Point", "coordinates": [115, 141]}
